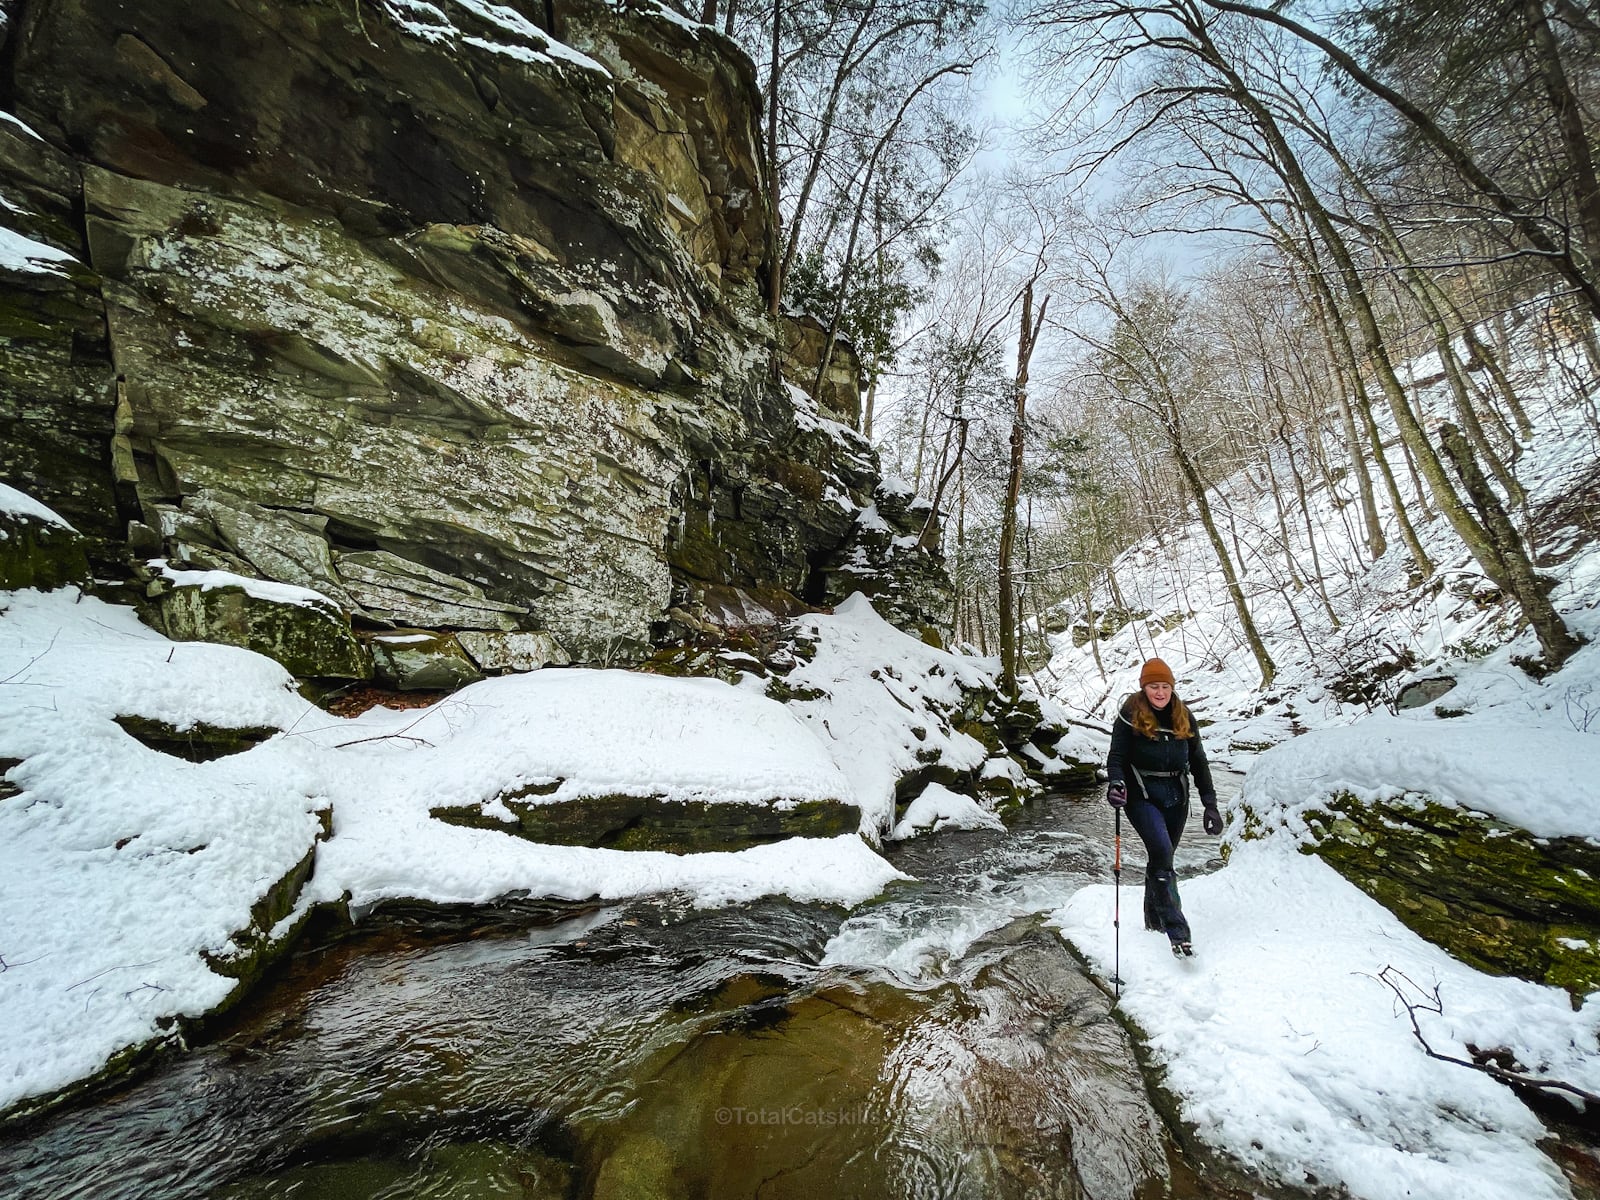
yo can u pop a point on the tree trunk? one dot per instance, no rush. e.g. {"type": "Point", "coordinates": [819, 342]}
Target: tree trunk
{"type": "Point", "coordinates": [1408, 531]}
{"type": "Point", "coordinates": [1028, 336]}
{"type": "Point", "coordinates": [1483, 355]}
{"type": "Point", "coordinates": [959, 424]}
{"type": "Point", "coordinates": [1311, 530]}
{"type": "Point", "coordinates": [1569, 125]}
{"type": "Point", "coordinates": [1531, 592]}
{"type": "Point", "coordinates": [1326, 313]}
{"type": "Point", "coordinates": [1094, 623]}
{"type": "Point", "coordinates": [774, 193]}
{"type": "Point", "coordinates": [1230, 576]}
{"type": "Point", "coordinates": [1413, 438]}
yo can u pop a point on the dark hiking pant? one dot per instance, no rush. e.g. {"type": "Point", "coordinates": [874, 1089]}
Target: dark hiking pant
{"type": "Point", "coordinates": [1160, 826]}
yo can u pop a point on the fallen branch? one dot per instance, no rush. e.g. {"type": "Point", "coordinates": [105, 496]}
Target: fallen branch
{"type": "Point", "coordinates": [384, 737]}
{"type": "Point", "coordinates": [108, 970]}
{"type": "Point", "coordinates": [1435, 1004]}
{"type": "Point", "coordinates": [31, 661]}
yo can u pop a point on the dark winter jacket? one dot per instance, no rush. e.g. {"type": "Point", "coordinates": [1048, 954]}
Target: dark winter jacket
{"type": "Point", "coordinates": [1158, 757]}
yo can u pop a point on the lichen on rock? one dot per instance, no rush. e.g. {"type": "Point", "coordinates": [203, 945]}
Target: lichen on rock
{"type": "Point", "coordinates": [1490, 893]}
{"type": "Point", "coordinates": [307, 633]}
{"type": "Point", "coordinates": [340, 326]}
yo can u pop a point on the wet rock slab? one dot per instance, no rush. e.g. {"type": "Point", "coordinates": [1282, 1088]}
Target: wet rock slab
{"type": "Point", "coordinates": [1012, 1081]}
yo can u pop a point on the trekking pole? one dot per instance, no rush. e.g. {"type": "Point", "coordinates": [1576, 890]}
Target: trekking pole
{"type": "Point", "coordinates": [1116, 911]}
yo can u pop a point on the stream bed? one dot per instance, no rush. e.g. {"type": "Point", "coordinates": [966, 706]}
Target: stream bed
{"type": "Point", "coordinates": [940, 1041]}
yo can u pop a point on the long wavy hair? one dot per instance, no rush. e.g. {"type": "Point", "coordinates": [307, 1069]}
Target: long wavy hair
{"type": "Point", "coordinates": [1143, 716]}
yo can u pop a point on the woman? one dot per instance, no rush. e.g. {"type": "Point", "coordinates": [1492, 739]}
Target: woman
{"type": "Point", "coordinates": [1155, 742]}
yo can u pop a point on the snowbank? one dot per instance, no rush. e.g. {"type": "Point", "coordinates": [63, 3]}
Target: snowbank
{"type": "Point", "coordinates": [23, 505]}
{"type": "Point", "coordinates": [940, 808]}
{"type": "Point", "coordinates": [1541, 779]}
{"type": "Point", "coordinates": [1286, 1048]}
{"type": "Point", "coordinates": [883, 703]}
{"type": "Point", "coordinates": [124, 871]}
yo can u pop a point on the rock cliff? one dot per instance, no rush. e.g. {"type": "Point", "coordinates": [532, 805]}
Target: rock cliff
{"type": "Point", "coordinates": [449, 311]}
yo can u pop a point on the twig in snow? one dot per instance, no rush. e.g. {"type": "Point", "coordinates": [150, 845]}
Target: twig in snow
{"type": "Point", "coordinates": [108, 970]}
{"type": "Point", "coordinates": [1581, 714]}
{"type": "Point", "coordinates": [1434, 1003]}
{"type": "Point", "coordinates": [383, 737]}
{"type": "Point", "coordinates": [400, 734]}
{"type": "Point", "coordinates": [31, 661]}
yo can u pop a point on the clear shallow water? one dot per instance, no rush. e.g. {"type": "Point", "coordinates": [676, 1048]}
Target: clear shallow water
{"type": "Point", "coordinates": [939, 1042]}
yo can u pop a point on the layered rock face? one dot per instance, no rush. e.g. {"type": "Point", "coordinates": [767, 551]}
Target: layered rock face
{"type": "Point", "coordinates": [448, 315]}
{"type": "Point", "coordinates": [1490, 893]}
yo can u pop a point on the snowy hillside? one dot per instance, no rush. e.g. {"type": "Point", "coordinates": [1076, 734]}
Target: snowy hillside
{"type": "Point", "coordinates": [1306, 990]}
{"type": "Point", "coordinates": [1340, 662]}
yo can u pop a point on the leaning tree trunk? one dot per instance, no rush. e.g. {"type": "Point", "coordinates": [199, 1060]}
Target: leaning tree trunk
{"type": "Point", "coordinates": [1326, 312]}
{"type": "Point", "coordinates": [1467, 527]}
{"type": "Point", "coordinates": [1230, 576]}
{"type": "Point", "coordinates": [1531, 592]}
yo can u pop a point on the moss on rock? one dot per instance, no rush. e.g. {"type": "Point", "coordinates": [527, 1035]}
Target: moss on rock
{"type": "Point", "coordinates": [1490, 893]}
{"type": "Point", "coordinates": [419, 660]}
{"type": "Point", "coordinates": [310, 640]}
{"type": "Point", "coordinates": [656, 823]}
{"type": "Point", "coordinates": [200, 742]}
{"type": "Point", "coordinates": [35, 553]}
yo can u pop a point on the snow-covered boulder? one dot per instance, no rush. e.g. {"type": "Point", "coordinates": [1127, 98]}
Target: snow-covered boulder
{"type": "Point", "coordinates": [940, 808]}
{"type": "Point", "coordinates": [628, 761]}
{"type": "Point", "coordinates": [38, 548]}
{"type": "Point", "coordinates": [171, 815]}
{"type": "Point", "coordinates": [1491, 894]}
{"type": "Point", "coordinates": [415, 660]}
{"type": "Point", "coordinates": [1476, 834]}
{"type": "Point", "coordinates": [900, 715]}
{"type": "Point", "coordinates": [139, 891]}
{"type": "Point", "coordinates": [301, 629]}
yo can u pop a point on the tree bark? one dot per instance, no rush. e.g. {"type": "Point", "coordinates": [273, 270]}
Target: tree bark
{"type": "Point", "coordinates": [1569, 124]}
{"type": "Point", "coordinates": [774, 192]}
{"type": "Point", "coordinates": [1531, 592]}
{"type": "Point", "coordinates": [1028, 337]}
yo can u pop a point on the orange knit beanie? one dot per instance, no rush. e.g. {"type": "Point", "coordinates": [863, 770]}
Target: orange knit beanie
{"type": "Point", "coordinates": [1156, 671]}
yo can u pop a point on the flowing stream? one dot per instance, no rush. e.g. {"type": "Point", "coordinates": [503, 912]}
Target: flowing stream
{"type": "Point", "coordinates": [940, 1041]}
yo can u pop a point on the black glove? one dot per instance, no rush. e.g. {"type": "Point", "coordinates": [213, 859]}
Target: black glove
{"type": "Point", "coordinates": [1212, 821]}
{"type": "Point", "coordinates": [1117, 794]}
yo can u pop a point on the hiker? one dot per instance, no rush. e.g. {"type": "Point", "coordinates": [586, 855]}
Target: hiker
{"type": "Point", "coordinates": [1155, 747]}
